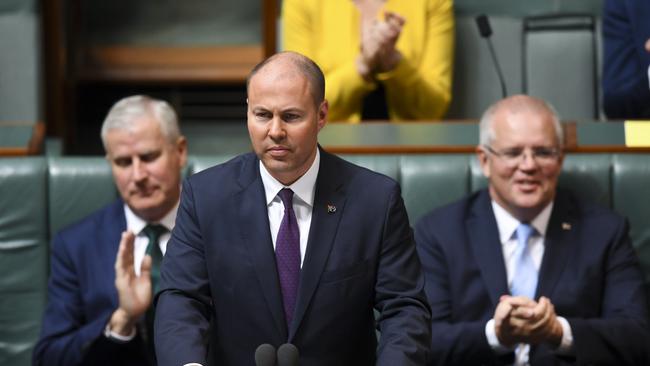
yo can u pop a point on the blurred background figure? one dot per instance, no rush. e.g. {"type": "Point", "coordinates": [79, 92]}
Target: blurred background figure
{"type": "Point", "coordinates": [626, 73]}
{"type": "Point", "coordinates": [382, 59]}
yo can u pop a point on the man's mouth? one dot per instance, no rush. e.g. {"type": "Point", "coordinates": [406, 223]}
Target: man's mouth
{"type": "Point", "coordinates": [527, 184]}
{"type": "Point", "coordinates": [278, 151]}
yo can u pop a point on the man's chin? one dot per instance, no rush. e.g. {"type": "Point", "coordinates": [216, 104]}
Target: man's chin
{"type": "Point", "coordinates": [276, 165]}
{"type": "Point", "coordinates": [533, 201]}
{"type": "Point", "coordinates": [145, 206]}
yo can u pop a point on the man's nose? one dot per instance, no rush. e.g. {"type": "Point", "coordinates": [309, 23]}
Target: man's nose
{"type": "Point", "coordinates": [527, 160]}
{"type": "Point", "coordinates": [139, 170]}
{"type": "Point", "coordinates": [276, 129]}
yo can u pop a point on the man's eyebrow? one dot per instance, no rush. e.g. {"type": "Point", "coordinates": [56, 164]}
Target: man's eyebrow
{"type": "Point", "coordinates": [293, 110]}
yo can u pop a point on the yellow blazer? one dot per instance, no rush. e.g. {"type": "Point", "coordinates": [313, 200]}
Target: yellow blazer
{"type": "Point", "coordinates": [419, 87]}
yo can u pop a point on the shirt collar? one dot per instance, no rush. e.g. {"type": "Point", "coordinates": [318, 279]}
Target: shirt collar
{"type": "Point", "coordinates": [135, 224]}
{"type": "Point", "coordinates": [507, 224]}
{"type": "Point", "coordinates": [304, 188]}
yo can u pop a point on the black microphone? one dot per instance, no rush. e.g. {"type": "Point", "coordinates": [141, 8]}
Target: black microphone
{"type": "Point", "coordinates": [287, 355]}
{"type": "Point", "coordinates": [265, 355]}
{"type": "Point", "coordinates": [486, 31]}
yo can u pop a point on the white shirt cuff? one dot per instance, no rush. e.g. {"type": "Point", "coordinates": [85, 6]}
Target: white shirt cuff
{"type": "Point", "coordinates": [193, 364]}
{"type": "Point", "coordinates": [108, 333]}
{"type": "Point", "coordinates": [566, 344]}
{"type": "Point", "coordinates": [493, 340]}
{"type": "Point", "coordinates": [648, 77]}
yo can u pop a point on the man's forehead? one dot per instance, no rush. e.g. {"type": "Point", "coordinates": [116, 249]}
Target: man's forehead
{"type": "Point", "coordinates": [274, 75]}
{"type": "Point", "coordinates": [128, 143]}
{"type": "Point", "coordinates": [276, 85]}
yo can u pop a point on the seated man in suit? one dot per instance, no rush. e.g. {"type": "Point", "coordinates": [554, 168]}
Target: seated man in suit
{"type": "Point", "coordinates": [104, 268]}
{"type": "Point", "coordinates": [291, 245]}
{"type": "Point", "coordinates": [523, 272]}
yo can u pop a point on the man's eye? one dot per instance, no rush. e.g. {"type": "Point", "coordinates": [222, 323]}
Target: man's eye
{"type": "Point", "coordinates": [544, 153]}
{"type": "Point", "coordinates": [511, 154]}
{"type": "Point", "coordinates": [291, 117]}
{"type": "Point", "coordinates": [147, 158]}
{"type": "Point", "coordinates": [263, 115]}
{"type": "Point", "coordinates": [122, 162]}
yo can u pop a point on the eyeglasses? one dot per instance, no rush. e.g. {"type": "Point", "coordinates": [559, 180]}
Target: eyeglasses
{"type": "Point", "coordinates": [514, 156]}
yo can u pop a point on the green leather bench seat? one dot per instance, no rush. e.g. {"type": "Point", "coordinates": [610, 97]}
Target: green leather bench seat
{"type": "Point", "coordinates": [23, 256]}
{"type": "Point", "coordinates": [39, 196]}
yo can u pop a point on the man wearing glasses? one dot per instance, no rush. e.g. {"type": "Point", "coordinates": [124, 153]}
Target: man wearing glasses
{"type": "Point", "coordinates": [524, 273]}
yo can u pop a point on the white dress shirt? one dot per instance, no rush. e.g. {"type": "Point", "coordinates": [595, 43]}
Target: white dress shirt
{"type": "Point", "coordinates": [303, 202]}
{"type": "Point", "coordinates": [507, 226]}
{"type": "Point", "coordinates": [136, 225]}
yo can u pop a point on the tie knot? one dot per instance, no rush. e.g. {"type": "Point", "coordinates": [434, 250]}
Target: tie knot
{"type": "Point", "coordinates": [286, 195]}
{"type": "Point", "coordinates": [524, 232]}
{"type": "Point", "coordinates": [154, 231]}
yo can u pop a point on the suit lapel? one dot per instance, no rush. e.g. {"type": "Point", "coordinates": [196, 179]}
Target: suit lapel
{"type": "Point", "coordinates": [254, 227]}
{"type": "Point", "coordinates": [329, 193]}
{"type": "Point", "coordinates": [483, 234]}
{"type": "Point", "coordinates": [560, 234]}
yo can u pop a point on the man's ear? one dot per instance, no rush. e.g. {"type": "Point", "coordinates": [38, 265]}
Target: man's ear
{"type": "Point", "coordinates": [482, 157]}
{"type": "Point", "coordinates": [181, 150]}
{"type": "Point", "coordinates": [323, 110]}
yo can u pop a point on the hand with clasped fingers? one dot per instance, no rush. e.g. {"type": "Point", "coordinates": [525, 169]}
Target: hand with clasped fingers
{"type": "Point", "coordinates": [518, 319]}
{"type": "Point", "coordinates": [378, 40]}
{"type": "Point", "coordinates": [134, 292]}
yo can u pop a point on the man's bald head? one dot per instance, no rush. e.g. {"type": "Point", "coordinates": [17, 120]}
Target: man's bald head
{"type": "Point", "coordinates": [300, 64]}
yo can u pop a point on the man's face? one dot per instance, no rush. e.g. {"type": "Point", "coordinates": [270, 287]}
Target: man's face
{"type": "Point", "coordinates": [522, 186]}
{"type": "Point", "coordinates": [146, 168]}
{"type": "Point", "coordinates": [283, 121]}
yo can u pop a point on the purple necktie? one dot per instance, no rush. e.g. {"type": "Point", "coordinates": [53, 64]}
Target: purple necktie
{"type": "Point", "coordinates": [287, 255]}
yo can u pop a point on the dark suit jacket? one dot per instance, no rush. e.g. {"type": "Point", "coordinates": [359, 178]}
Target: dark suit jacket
{"type": "Point", "coordinates": [220, 266]}
{"type": "Point", "coordinates": [589, 271]}
{"type": "Point", "coordinates": [82, 296]}
{"type": "Point", "coordinates": [626, 93]}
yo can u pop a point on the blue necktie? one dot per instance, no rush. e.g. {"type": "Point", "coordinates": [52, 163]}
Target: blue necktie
{"type": "Point", "coordinates": [524, 281]}
{"type": "Point", "coordinates": [287, 255]}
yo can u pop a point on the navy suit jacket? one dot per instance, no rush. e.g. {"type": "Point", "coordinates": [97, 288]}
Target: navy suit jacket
{"type": "Point", "coordinates": [626, 27]}
{"type": "Point", "coordinates": [220, 268]}
{"type": "Point", "coordinates": [589, 272]}
{"type": "Point", "coordinates": [82, 296]}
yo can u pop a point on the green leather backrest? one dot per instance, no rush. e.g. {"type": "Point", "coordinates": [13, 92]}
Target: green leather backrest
{"type": "Point", "coordinates": [20, 66]}
{"type": "Point", "coordinates": [78, 186]}
{"type": "Point", "coordinates": [560, 63]}
{"type": "Point", "coordinates": [430, 181]}
{"type": "Point", "coordinates": [384, 164]}
{"type": "Point", "coordinates": [631, 197]}
{"type": "Point", "coordinates": [589, 177]}
{"type": "Point", "coordinates": [23, 256]}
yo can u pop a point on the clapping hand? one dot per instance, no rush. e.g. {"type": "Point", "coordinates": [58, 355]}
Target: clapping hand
{"type": "Point", "coordinates": [378, 41]}
{"type": "Point", "coordinates": [523, 320]}
{"type": "Point", "coordinates": [134, 292]}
